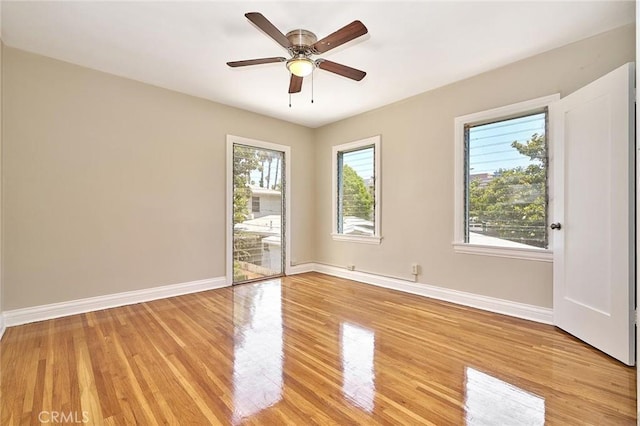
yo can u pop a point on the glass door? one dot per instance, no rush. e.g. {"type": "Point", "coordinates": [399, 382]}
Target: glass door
{"type": "Point", "coordinates": [258, 213]}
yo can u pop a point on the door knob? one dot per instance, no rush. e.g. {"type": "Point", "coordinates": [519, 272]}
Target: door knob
{"type": "Point", "coordinates": [555, 226]}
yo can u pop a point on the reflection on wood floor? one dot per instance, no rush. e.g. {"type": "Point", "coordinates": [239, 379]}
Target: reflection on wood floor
{"type": "Point", "coordinates": [307, 349]}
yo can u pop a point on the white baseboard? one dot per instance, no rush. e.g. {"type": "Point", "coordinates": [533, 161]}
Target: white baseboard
{"type": "Point", "coordinates": [301, 268]}
{"type": "Point", "coordinates": [73, 307]}
{"type": "Point", "coordinates": [56, 310]}
{"type": "Point", "coordinates": [2, 325]}
{"type": "Point", "coordinates": [491, 304]}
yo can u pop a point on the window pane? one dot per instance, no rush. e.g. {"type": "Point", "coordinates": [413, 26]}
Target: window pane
{"type": "Point", "coordinates": [255, 204]}
{"type": "Point", "coordinates": [356, 180]}
{"type": "Point", "coordinates": [258, 205]}
{"type": "Point", "coordinates": [506, 200]}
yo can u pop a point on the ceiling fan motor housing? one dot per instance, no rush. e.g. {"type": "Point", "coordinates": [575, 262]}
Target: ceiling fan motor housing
{"type": "Point", "coordinates": [301, 40]}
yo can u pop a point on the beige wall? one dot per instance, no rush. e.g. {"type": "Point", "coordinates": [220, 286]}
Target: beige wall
{"type": "Point", "coordinates": [1, 253]}
{"type": "Point", "coordinates": [417, 172]}
{"type": "Point", "coordinates": [112, 185]}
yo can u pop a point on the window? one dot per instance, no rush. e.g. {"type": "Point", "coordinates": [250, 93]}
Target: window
{"type": "Point", "coordinates": [502, 181]}
{"type": "Point", "coordinates": [255, 204]}
{"type": "Point", "coordinates": [356, 191]}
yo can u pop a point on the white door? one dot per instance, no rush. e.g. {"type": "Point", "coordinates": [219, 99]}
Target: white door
{"type": "Point", "coordinates": [593, 169]}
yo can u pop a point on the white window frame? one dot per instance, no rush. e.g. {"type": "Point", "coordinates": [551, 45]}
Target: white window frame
{"type": "Point", "coordinates": [496, 114]}
{"type": "Point", "coordinates": [376, 238]}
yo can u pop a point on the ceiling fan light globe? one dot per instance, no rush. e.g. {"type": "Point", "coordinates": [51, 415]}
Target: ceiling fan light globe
{"type": "Point", "coordinates": [301, 67]}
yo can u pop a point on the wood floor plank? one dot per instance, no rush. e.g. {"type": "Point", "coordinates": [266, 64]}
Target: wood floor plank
{"type": "Point", "coordinates": [307, 349]}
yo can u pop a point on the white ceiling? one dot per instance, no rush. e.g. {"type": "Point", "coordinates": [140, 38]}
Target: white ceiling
{"type": "Point", "coordinates": [411, 47]}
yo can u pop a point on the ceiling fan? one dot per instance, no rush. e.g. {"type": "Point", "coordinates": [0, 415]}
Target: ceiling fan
{"type": "Point", "coordinates": [302, 44]}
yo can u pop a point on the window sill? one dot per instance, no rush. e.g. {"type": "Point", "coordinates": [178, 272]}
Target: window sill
{"type": "Point", "coordinates": [539, 255]}
{"type": "Point", "coordinates": [357, 238]}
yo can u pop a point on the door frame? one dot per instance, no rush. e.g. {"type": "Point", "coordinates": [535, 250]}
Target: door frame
{"type": "Point", "coordinates": [637, 205]}
{"type": "Point", "coordinates": [231, 140]}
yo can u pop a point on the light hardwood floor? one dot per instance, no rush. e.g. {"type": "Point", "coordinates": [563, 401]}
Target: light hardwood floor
{"type": "Point", "coordinates": [307, 349]}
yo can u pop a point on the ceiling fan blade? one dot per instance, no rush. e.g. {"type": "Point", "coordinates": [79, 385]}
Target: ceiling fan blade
{"type": "Point", "coordinates": [342, 70]}
{"type": "Point", "coordinates": [295, 85]}
{"type": "Point", "coordinates": [265, 25]}
{"type": "Point", "coordinates": [340, 37]}
{"type": "Point", "coordinates": [255, 62]}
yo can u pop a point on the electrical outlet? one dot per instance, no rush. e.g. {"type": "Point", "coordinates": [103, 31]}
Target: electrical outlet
{"type": "Point", "coordinates": [351, 267]}
{"type": "Point", "coordinates": [415, 269]}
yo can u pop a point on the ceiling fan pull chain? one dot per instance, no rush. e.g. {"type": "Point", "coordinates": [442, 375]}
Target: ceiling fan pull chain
{"type": "Point", "coordinates": [312, 86]}
{"type": "Point", "coordinates": [289, 100]}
